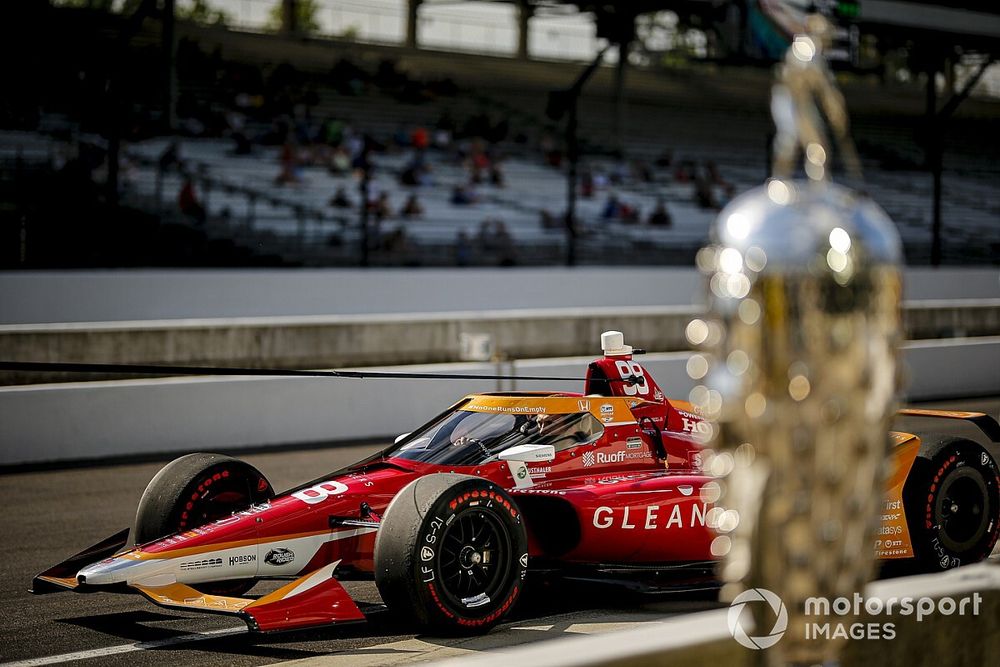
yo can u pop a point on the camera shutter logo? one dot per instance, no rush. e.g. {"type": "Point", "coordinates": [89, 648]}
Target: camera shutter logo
{"type": "Point", "coordinates": [736, 624]}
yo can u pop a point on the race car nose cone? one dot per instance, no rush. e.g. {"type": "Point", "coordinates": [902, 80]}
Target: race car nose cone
{"type": "Point", "coordinates": [114, 570]}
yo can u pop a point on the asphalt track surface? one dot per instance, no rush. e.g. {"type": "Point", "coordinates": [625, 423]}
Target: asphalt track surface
{"type": "Point", "coordinates": [49, 515]}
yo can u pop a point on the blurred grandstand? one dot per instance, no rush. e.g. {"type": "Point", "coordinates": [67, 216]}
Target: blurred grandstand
{"type": "Point", "coordinates": [144, 133]}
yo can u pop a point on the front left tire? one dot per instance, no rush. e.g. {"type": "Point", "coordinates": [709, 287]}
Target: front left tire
{"type": "Point", "coordinates": [451, 554]}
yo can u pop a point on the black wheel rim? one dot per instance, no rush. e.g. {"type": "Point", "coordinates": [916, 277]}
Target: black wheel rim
{"type": "Point", "coordinates": [475, 557]}
{"type": "Point", "coordinates": [217, 495]}
{"type": "Point", "coordinates": [962, 510]}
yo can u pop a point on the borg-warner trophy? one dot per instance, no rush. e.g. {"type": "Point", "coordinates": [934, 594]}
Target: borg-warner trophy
{"type": "Point", "coordinates": [797, 366]}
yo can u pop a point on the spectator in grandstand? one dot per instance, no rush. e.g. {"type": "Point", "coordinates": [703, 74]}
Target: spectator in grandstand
{"type": "Point", "coordinates": [394, 241]}
{"type": "Point", "coordinates": [504, 244]}
{"type": "Point", "coordinates": [587, 184]}
{"type": "Point", "coordinates": [420, 138]}
{"type": "Point", "coordinates": [612, 208]}
{"type": "Point", "coordinates": [478, 162]}
{"type": "Point", "coordinates": [171, 157]}
{"type": "Point", "coordinates": [340, 161]}
{"type": "Point", "coordinates": [496, 175]}
{"type": "Point", "coordinates": [703, 195]}
{"type": "Point", "coordinates": [548, 221]}
{"type": "Point", "coordinates": [401, 138]}
{"type": "Point", "coordinates": [643, 171]}
{"type": "Point", "coordinates": [379, 207]}
{"type": "Point", "coordinates": [444, 131]}
{"type": "Point", "coordinates": [684, 171]}
{"type": "Point", "coordinates": [485, 238]}
{"type": "Point", "coordinates": [728, 192]}
{"type": "Point", "coordinates": [189, 203]}
{"type": "Point", "coordinates": [629, 214]}
{"type": "Point", "coordinates": [340, 198]}
{"type": "Point", "coordinates": [712, 171]}
{"type": "Point", "coordinates": [290, 173]}
{"type": "Point", "coordinates": [665, 158]}
{"type": "Point", "coordinates": [412, 208]}
{"type": "Point", "coordinates": [237, 132]}
{"type": "Point", "coordinates": [660, 215]}
{"type": "Point", "coordinates": [388, 75]}
{"type": "Point", "coordinates": [462, 195]}
{"type": "Point", "coordinates": [463, 249]}
{"type": "Point", "coordinates": [551, 153]}
{"type": "Point", "coordinates": [442, 139]}
{"type": "Point", "coordinates": [618, 173]}
{"type": "Point", "coordinates": [417, 171]}
{"type": "Point", "coordinates": [348, 78]}
{"type": "Point", "coordinates": [332, 131]}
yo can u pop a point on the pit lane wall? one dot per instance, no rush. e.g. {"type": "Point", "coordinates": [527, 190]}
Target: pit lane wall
{"type": "Point", "coordinates": [333, 341]}
{"type": "Point", "coordinates": [95, 420]}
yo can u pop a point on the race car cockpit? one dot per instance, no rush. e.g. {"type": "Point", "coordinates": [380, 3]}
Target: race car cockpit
{"type": "Point", "coordinates": [465, 437]}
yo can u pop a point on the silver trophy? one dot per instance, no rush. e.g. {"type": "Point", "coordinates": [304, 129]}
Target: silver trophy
{"type": "Point", "coordinates": [798, 369]}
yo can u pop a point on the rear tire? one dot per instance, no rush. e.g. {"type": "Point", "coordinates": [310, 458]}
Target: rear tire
{"type": "Point", "coordinates": [451, 553]}
{"type": "Point", "coordinates": [195, 490]}
{"type": "Point", "coordinates": [952, 503]}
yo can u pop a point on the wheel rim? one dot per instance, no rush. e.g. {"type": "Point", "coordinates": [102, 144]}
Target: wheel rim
{"type": "Point", "coordinates": [962, 510]}
{"type": "Point", "coordinates": [475, 555]}
{"type": "Point", "coordinates": [217, 496]}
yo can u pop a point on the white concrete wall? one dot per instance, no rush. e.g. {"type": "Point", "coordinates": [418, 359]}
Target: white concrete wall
{"type": "Point", "coordinates": [127, 294]}
{"type": "Point", "coordinates": [102, 419]}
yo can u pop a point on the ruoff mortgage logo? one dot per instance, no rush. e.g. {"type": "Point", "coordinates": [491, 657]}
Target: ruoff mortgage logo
{"type": "Point", "coordinates": [588, 459]}
{"type": "Point", "coordinates": [739, 622]}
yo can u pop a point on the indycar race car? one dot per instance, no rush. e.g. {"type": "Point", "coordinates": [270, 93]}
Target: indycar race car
{"type": "Point", "coordinates": [452, 518]}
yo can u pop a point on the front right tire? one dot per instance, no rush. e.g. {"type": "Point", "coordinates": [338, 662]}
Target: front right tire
{"type": "Point", "coordinates": [193, 491]}
{"type": "Point", "coordinates": [952, 501]}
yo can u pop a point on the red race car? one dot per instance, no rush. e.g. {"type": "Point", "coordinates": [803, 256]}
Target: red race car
{"type": "Point", "coordinates": [453, 517]}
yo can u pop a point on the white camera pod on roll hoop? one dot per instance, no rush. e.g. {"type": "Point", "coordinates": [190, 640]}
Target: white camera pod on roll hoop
{"type": "Point", "coordinates": [517, 458]}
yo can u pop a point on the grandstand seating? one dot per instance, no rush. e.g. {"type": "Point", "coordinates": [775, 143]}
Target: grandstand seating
{"type": "Point", "coordinates": [702, 114]}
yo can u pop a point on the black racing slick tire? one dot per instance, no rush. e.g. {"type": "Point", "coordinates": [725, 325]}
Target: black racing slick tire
{"type": "Point", "coordinates": [195, 490]}
{"type": "Point", "coordinates": [451, 554]}
{"type": "Point", "coordinates": [952, 501]}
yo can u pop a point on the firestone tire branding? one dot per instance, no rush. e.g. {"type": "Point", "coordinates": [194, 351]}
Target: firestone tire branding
{"type": "Point", "coordinates": [489, 500]}
{"type": "Point", "coordinates": [956, 460]}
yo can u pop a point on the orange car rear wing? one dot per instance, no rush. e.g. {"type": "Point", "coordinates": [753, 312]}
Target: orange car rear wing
{"type": "Point", "coordinates": [983, 421]}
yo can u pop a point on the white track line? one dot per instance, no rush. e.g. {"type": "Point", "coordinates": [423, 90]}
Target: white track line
{"type": "Point", "coordinates": [124, 648]}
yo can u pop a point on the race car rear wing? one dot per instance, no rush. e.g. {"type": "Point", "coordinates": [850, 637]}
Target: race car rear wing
{"type": "Point", "coordinates": [987, 424]}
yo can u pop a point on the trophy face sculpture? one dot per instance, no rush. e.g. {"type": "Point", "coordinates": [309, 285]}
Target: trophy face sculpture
{"type": "Point", "coordinates": [798, 368]}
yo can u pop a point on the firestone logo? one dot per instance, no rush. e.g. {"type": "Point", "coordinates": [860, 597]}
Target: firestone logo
{"type": "Point", "coordinates": [738, 621]}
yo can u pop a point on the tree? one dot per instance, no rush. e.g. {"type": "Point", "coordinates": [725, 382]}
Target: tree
{"type": "Point", "coordinates": [306, 16]}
